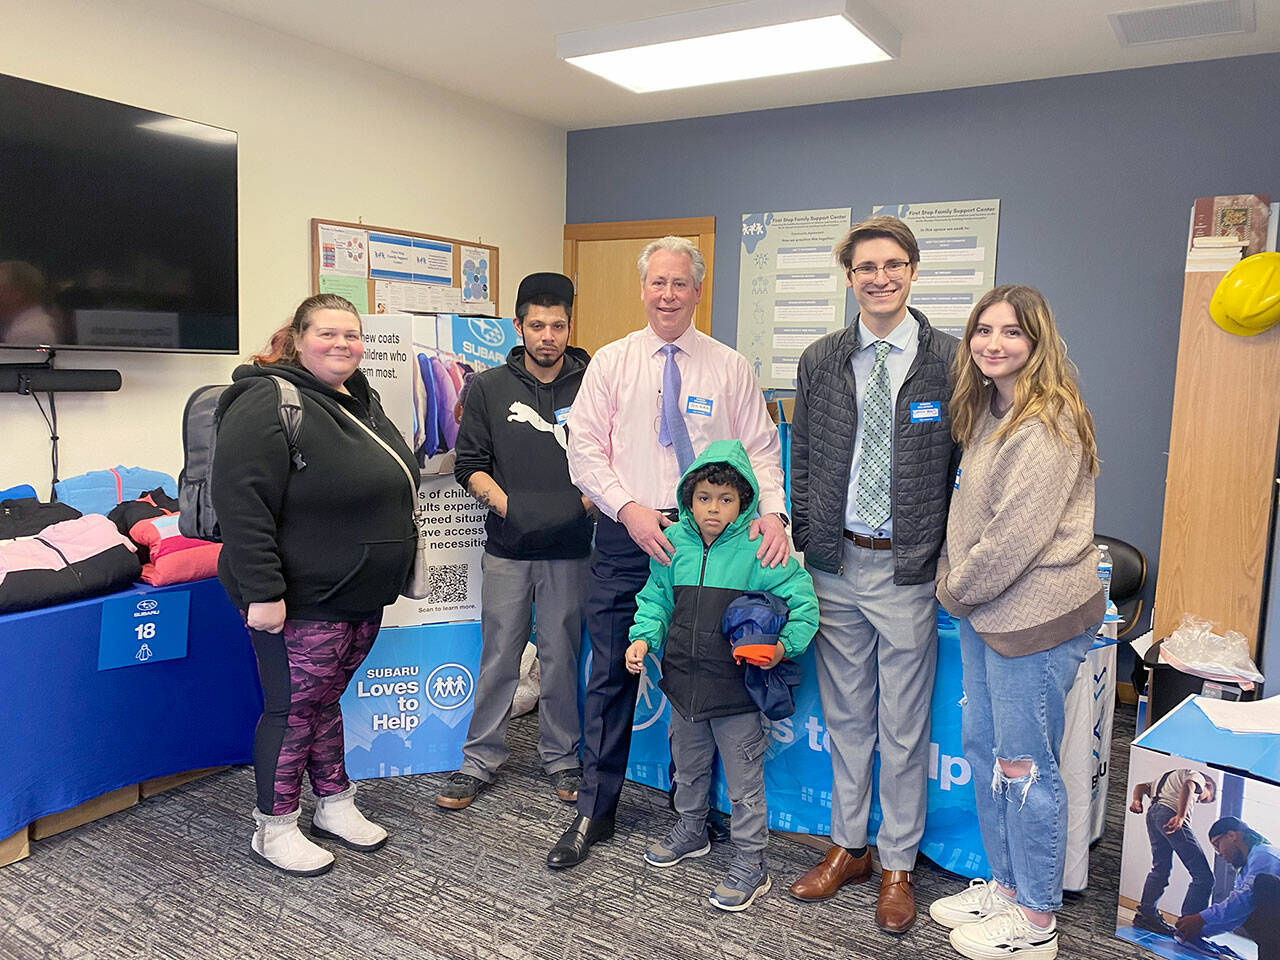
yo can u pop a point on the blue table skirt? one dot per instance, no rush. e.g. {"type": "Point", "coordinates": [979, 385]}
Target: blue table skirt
{"type": "Point", "coordinates": [71, 732]}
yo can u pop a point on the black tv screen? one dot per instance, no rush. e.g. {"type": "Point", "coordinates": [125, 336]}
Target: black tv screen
{"type": "Point", "coordinates": [117, 226]}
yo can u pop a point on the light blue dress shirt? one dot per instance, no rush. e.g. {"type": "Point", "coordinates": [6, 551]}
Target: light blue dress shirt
{"type": "Point", "coordinates": [905, 340]}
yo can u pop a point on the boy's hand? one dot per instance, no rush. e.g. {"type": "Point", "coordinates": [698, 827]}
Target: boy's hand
{"type": "Point", "coordinates": [635, 656]}
{"type": "Point", "coordinates": [776, 659]}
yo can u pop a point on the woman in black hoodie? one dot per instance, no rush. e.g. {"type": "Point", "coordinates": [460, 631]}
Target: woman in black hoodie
{"type": "Point", "coordinates": [311, 555]}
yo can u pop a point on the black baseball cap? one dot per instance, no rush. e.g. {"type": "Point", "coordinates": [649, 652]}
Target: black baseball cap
{"type": "Point", "coordinates": [536, 284]}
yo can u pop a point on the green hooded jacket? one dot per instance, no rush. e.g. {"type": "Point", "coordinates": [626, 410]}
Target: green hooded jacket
{"type": "Point", "coordinates": [681, 607]}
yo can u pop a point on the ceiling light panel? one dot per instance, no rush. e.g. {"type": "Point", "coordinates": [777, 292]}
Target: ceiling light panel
{"type": "Point", "coordinates": [732, 42]}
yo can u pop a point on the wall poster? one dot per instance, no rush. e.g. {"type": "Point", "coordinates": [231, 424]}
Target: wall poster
{"type": "Point", "coordinates": [790, 289]}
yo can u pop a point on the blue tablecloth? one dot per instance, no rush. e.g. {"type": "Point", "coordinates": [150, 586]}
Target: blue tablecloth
{"type": "Point", "coordinates": [71, 732]}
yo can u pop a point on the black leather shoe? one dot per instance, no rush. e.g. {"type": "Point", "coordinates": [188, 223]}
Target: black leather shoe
{"type": "Point", "coordinates": [571, 849]}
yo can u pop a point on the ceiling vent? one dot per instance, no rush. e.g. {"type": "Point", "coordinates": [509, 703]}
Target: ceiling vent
{"type": "Point", "coordinates": [1183, 21]}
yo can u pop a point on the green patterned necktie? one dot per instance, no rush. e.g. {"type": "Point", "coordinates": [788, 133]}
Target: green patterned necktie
{"type": "Point", "coordinates": [877, 422]}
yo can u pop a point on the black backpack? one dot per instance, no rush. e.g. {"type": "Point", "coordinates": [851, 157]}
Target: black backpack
{"type": "Point", "coordinates": [197, 518]}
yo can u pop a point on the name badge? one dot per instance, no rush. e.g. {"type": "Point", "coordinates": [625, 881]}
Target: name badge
{"type": "Point", "coordinates": [563, 414]}
{"type": "Point", "coordinates": [955, 484]}
{"type": "Point", "coordinates": [699, 405]}
{"type": "Point", "coordinates": [927, 411]}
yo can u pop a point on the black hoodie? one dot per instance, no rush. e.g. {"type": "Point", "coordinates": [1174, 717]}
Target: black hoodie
{"type": "Point", "coordinates": [335, 539]}
{"type": "Point", "coordinates": [512, 428]}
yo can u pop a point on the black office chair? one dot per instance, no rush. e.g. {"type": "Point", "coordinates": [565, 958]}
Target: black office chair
{"type": "Point", "coordinates": [1128, 574]}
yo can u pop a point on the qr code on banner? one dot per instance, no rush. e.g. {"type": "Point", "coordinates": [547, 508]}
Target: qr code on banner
{"type": "Point", "coordinates": [447, 583]}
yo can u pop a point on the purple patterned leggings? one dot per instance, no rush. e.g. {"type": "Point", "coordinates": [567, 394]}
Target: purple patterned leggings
{"type": "Point", "coordinates": [304, 671]}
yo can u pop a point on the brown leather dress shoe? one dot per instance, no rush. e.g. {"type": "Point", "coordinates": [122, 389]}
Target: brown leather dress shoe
{"type": "Point", "coordinates": [896, 905]}
{"type": "Point", "coordinates": [836, 869]}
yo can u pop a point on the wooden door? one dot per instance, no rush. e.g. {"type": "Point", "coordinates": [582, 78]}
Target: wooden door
{"type": "Point", "coordinates": [601, 260]}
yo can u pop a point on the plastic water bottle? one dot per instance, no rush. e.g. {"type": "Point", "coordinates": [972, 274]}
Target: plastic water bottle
{"type": "Point", "coordinates": [1104, 571]}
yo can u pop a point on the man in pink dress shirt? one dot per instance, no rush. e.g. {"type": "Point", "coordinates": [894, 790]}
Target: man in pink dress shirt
{"type": "Point", "coordinates": [626, 459]}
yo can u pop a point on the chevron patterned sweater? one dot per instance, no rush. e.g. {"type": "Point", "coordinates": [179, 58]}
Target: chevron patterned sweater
{"type": "Point", "coordinates": [1020, 561]}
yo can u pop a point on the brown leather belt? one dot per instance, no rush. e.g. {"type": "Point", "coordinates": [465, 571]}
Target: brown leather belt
{"type": "Point", "coordinates": [871, 543]}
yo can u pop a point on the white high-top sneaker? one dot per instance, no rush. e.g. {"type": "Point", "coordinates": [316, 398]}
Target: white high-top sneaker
{"type": "Point", "coordinates": [336, 818]}
{"type": "Point", "coordinates": [279, 843]}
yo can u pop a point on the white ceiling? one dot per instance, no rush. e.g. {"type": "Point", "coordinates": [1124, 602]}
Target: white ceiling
{"type": "Point", "coordinates": [503, 51]}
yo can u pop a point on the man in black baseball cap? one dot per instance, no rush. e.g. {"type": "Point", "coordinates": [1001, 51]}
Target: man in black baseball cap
{"type": "Point", "coordinates": [511, 457]}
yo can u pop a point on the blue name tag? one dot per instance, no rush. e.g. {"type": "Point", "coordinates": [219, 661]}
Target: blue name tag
{"type": "Point", "coordinates": [563, 414]}
{"type": "Point", "coordinates": [926, 412]}
{"type": "Point", "coordinates": [699, 405]}
{"type": "Point", "coordinates": [956, 483]}
{"type": "Point", "coordinates": [137, 630]}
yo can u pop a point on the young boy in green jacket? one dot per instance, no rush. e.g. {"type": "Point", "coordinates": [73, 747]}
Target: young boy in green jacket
{"type": "Point", "coordinates": [679, 615]}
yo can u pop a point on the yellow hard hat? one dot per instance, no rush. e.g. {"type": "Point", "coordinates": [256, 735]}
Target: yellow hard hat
{"type": "Point", "coordinates": [1247, 300]}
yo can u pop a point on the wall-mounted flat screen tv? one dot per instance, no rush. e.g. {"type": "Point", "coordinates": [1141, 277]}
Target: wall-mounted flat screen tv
{"type": "Point", "coordinates": [117, 226]}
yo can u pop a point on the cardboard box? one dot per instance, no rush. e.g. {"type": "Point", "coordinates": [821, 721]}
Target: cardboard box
{"type": "Point", "coordinates": [787, 405]}
{"type": "Point", "coordinates": [1172, 861]}
{"type": "Point", "coordinates": [149, 788]}
{"type": "Point", "coordinates": [16, 847]}
{"type": "Point", "coordinates": [87, 812]}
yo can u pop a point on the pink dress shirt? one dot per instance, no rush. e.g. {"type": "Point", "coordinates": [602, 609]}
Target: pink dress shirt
{"type": "Point", "coordinates": [614, 454]}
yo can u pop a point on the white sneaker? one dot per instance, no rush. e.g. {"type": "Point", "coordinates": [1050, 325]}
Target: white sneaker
{"type": "Point", "coordinates": [336, 818]}
{"type": "Point", "coordinates": [975, 902]}
{"type": "Point", "coordinates": [279, 843]}
{"type": "Point", "coordinates": [1005, 934]}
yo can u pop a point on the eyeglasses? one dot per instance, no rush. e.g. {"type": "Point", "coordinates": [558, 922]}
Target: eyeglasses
{"type": "Point", "coordinates": [894, 270]}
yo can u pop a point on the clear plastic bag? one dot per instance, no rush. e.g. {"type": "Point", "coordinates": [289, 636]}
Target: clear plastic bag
{"type": "Point", "coordinates": [1195, 649]}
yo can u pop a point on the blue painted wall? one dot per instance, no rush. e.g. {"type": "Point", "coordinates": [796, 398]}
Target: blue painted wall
{"type": "Point", "coordinates": [1095, 176]}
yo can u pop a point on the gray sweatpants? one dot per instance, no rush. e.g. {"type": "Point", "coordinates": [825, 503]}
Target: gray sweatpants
{"type": "Point", "coordinates": [509, 590]}
{"type": "Point", "coordinates": [741, 741]}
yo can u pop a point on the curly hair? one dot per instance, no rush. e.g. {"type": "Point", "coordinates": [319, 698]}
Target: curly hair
{"type": "Point", "coordinates": [721, 474]}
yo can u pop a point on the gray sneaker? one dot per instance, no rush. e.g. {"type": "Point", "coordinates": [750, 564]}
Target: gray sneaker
{"type": "Point", "coordinates": [566, 784]}
{"type": "Point", "coordinates": [676, 847]}
{"type": "Point", "coordinates": [459, 790]}
{"type": "Point", "coordinates": [741, 887]}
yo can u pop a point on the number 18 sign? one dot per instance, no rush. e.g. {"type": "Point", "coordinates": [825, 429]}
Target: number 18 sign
{"type": "Point", "coordinates": [138, 630]}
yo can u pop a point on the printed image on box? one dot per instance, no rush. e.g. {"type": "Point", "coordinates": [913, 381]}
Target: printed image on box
{"type": "Point", "coordinates": [407, 708]}
{"type": "Point", "coordinates": [1199, 875]}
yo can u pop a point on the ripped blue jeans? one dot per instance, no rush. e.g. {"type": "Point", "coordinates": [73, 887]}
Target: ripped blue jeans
{"type": "Point", "coordinates": [1014, 710]}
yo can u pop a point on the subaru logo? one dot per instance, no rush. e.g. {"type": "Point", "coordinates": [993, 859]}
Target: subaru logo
{"type": "Point", "coordinates": [449, 686]}
{"type": "Point", "coordinates": [147, 604]}
{"type": "Point", "coordinates": [487, 331]}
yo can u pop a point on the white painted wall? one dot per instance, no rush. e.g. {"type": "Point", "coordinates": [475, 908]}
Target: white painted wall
{"type": "Point", "coordinates": [321, 135]}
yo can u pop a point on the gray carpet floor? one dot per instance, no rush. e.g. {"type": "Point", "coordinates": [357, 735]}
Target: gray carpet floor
{"type": "Point", "coordinates": [173, 878]}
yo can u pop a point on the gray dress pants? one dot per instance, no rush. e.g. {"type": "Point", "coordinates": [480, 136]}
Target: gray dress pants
{"type": "Point", "coordinates": [876, 652]}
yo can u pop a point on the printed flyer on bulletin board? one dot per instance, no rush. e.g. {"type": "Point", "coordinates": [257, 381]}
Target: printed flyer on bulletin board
{"type": "Point", "coordinates": [957, 256]}
{"type": "Point", "coordinates": [791, 292]}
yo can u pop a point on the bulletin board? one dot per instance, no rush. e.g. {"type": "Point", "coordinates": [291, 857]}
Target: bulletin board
{"type": "Point", "coordinates": [388, 270]}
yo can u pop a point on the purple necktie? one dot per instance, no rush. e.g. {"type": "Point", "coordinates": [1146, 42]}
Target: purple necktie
{"type": "Point", "coordinates": [673, 429]}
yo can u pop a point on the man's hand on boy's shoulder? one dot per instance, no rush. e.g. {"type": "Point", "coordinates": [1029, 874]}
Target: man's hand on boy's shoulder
{"type": "Point", "coordinates": [774, 546]}
{"type": "Point", "coordinates": [644, 526]}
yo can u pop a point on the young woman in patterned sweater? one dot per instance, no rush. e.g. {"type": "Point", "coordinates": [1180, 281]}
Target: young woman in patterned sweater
{"type": "Point", "coordinates": [1020, 576]}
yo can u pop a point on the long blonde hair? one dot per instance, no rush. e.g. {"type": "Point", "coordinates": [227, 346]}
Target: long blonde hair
{"type": "Point", "coordinates": [1046, 386]}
